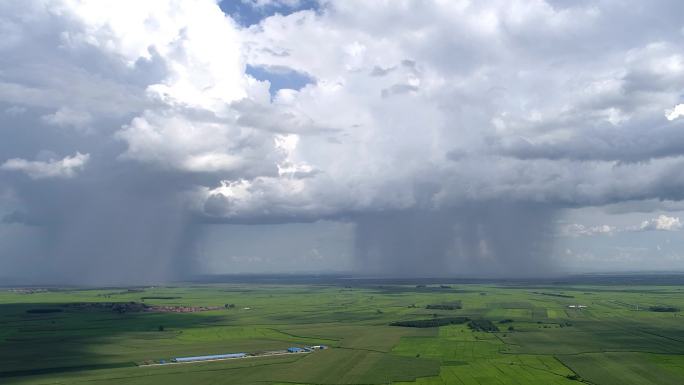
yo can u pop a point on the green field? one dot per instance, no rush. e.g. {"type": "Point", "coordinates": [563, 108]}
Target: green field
{"type": "Point", "coordinates": [616, 339]}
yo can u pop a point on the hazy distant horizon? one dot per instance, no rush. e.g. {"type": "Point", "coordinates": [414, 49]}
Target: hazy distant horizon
{"type": "Point", "coordinates": [341, 278]}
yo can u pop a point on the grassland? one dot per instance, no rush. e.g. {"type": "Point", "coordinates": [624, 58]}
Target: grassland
{"type": "Point", "coordinates": [616, 339]}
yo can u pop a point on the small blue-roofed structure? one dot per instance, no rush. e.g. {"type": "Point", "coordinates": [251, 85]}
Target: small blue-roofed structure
{"type": "Point", "coordinates": [294, 350]}
{"type": "Point", "coordinates": [210, 357]}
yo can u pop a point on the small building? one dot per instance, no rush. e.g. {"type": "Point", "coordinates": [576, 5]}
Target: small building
{"type": "Point", "coordinates": [294, 350]}
{"type": "Point", "coordinates": [319, 347]}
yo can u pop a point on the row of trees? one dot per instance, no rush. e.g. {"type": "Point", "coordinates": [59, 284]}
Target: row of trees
{"type": "Point", "coordinates": [664, 309]}
{"type": "Point", "coordinates": [482, 325]}
{"type": "Point", "coordinates": [431, 323]}
{"type": "Point", "coordinates": [453, 305]}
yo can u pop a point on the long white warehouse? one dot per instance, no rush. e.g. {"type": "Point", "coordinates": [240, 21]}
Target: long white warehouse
{"type": "Point", "coordinates": [210, 357]}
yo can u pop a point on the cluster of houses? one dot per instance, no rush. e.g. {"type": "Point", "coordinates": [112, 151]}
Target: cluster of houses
{"type": "Point", "coordinates": [305, 349]}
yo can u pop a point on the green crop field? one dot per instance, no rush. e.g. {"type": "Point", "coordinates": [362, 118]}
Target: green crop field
{"type": "Point", "coordinates": [501, 334]}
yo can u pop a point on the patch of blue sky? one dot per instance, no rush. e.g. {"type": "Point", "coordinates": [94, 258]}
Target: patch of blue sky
{"type": "Point", "coordinates": [280, 77]}
{"type": "Point", "coordinates": [249, 12]}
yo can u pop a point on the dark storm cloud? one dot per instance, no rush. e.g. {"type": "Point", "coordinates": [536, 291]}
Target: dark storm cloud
{"type": "Point", "coordinates": [115, 219]}
{"type": "Point", "coordinates": [112, 225]}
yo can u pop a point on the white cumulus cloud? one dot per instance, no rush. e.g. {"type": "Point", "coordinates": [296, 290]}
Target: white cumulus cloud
{"type": "Point", "coordinates": [659, 223]}
{"type": "Point", "coordinates": [676, 112]}
{"type": "Point", "coordinates": [577, 230]}
{"type": "Point", "coordinates": [409, 104]}
{"type": "Point", "coordinates": [662, 222]}
{"type": "Point", "coordinates": [67, 117]}
{"type": "Point", "coordinates": [66, 167]}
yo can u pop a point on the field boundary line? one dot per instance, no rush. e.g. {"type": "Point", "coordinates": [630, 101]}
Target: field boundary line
{"type": "Point", "coordinates": [574, 371]}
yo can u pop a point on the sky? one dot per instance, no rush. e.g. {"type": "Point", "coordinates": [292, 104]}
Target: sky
{"type": "Point", "coordinates": [154, 141]}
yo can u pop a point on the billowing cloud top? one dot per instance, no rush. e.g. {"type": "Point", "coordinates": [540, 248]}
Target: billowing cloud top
{"type": "Point", "coordinates": [344, 109]}
{"type": "Point", "coordinates": [411, 105]}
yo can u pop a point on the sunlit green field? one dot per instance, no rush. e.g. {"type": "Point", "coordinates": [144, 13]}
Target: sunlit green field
{"type": "Point", "coordinates": [616, 339]}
